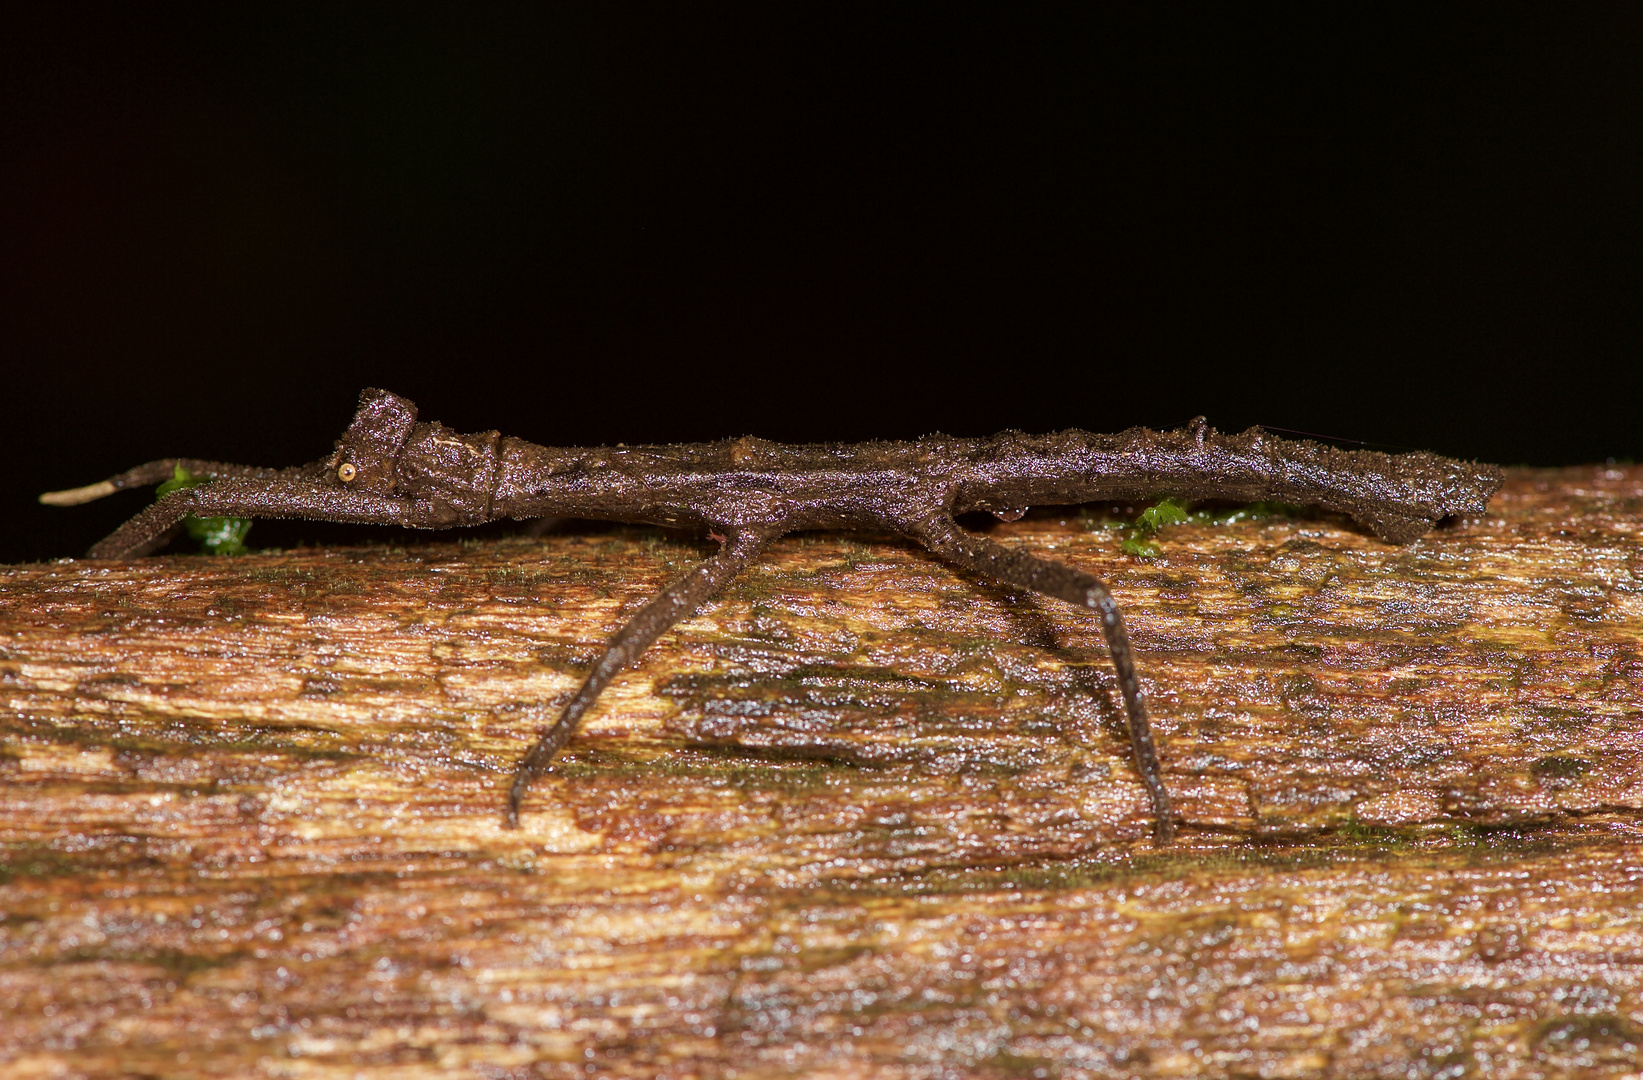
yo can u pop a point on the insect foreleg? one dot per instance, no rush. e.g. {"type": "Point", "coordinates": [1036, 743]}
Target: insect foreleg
{"type": "Point", "coordinates": [251, 499]}
{"type": "Point", "coordinates": [154, 472]}
{"type": "Point", "coordinates": [1026, 571]}
{"type": "Point", "coordinates": [674, 603]}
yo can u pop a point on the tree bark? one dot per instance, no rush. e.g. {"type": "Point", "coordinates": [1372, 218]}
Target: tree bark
{"type": "Point", "coordinates": [861, 816]}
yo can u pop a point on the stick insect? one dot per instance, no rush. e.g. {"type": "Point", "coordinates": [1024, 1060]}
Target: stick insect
{"type": "Point", "coordinates": [390, 469]}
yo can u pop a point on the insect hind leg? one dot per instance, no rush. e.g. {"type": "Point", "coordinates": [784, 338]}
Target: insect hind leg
{"type": "Point", "coordinates": [990, 559]}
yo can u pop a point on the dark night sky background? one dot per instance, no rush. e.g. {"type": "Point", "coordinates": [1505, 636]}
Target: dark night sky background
{"type": "Point", "coordinates": [1417, 226]}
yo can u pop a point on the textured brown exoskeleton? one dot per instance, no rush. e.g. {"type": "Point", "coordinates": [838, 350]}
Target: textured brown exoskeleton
{"type": "Point", "coordinates": [389, 469]}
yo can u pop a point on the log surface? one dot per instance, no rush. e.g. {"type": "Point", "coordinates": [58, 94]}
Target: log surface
{"type": "Point", "coordinates": [861, 816]}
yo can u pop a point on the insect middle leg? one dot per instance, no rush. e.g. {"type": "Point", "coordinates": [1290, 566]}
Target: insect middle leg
{"type": "Point", "coordinates": [944, 537]}
{"type": "Point", "coordinates": [674, 603]}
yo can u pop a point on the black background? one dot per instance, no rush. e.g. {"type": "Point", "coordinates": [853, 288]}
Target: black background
{"type": "Point", "coordinates": [1421, 227]}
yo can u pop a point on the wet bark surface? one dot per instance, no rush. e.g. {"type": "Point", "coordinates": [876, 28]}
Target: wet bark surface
{"type": "Point", "coordinates": [861, 816]}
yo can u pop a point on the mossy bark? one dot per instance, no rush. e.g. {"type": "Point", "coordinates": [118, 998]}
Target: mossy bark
{"type": "Point", "coordinates": [862, 816]}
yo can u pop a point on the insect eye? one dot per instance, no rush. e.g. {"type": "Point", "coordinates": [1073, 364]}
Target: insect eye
{"type": "Point", "coordinates": [346, 471]}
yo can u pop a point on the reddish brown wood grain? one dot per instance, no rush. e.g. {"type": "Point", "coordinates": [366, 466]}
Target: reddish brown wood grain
{"type": "Point", "coordinates": [860, 817]}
